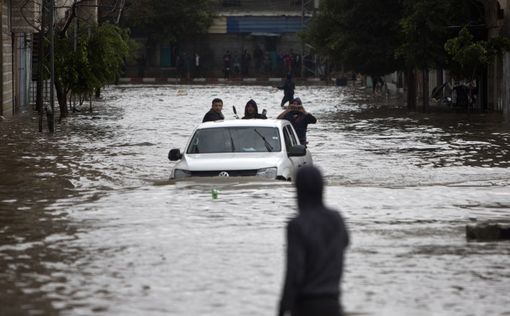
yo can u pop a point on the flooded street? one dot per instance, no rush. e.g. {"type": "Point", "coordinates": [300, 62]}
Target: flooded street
{"type": "Point", "coordinates": [90, 224]}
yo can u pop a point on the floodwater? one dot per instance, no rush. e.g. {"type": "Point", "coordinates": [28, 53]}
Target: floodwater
{"type": "Point", "coordinates": [90, 224]}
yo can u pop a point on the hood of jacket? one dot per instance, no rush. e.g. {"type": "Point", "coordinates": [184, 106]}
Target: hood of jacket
{"type": "Point", "coordinates": [253, 104]}
{"type": "Point", "coordinates": [309, 187]}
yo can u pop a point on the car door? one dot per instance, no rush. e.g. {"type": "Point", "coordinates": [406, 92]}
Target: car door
{"type": "Point", "coordinates": [291, 140]}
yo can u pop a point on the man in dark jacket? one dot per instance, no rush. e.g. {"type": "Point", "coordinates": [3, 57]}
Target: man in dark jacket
{"type": "Point", "coordinates": [288, 90]}
{"type": "Point", "coordinates": [299, 119]}
{"type": "Point", "coordinates": [251, 111]}
{"type": "Point", "coordinates": [316, 241]}
{"type": "Point", "coordinates": [214, 113]}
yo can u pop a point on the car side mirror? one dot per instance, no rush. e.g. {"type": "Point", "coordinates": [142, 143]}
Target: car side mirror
{"type": "Point", "coordinates": [174, 154]}
{"type": "Point", "coordinates": [297, 151]}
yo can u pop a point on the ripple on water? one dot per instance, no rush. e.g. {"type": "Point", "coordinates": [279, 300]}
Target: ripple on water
{"type": "Point", "coordinates": [90, 223]}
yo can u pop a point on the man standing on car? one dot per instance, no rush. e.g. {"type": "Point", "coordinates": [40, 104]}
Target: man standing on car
{"type": "Point", "coordinates": [299, 119]}
{"type": "Point", "coordinates": [214, 113]}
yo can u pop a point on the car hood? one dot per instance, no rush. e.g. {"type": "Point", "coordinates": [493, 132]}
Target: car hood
{"type": "Point", "coordinates": [232, 161]}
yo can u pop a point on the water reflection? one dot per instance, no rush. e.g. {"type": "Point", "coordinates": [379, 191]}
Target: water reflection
{"type": "Point", "coordinates": [89, 222]}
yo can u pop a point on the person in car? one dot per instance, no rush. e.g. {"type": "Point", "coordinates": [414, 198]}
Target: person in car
{"type": "Point", "coordinates": [316, 242]}
{"type": "Point", "coordinates": [299, 118]}
{"type": "Point", "coordinates": [251, 111]}
{"type": "Point", "coordinates": [214, 114]}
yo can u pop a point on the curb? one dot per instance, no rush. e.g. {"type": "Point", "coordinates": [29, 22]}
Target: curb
{"type": "Point", "coordinates": [216, 80]}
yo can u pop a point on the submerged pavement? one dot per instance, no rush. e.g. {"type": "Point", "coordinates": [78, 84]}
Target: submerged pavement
{"type": "Point", "coordinates": [89, 222]}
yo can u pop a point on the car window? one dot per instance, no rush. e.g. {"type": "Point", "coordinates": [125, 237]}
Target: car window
{"type": "Point", "coordinates": [235, 139]}
{"type": "Point", "coordinates": [210, 140]}
{"type": "Point", "coordinates": [286, 136]}
{"type": "Point", "coordinates": [292, 136]}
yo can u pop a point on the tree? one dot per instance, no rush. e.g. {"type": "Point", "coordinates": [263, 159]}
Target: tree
{"type": "Point", "coordinates": [362, 34]}
{"type": "Point", "coordinates": [424, 26]}
{"type": "Point", "coordinates": [469, 57]}
{"type": "Point", "coordinates": [97, 61]}
{"type": "Point", "coordinates": [168, 20]}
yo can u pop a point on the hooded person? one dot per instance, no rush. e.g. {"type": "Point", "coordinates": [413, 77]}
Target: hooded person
{"type": "Point", "coordinates": [316, 241]}
{"type": "Point", "coordinates": [288, 90]}
{"type": "Point", "coordinates": [251, 111]}
{"type": "Point", "coordinates": [299, 118]}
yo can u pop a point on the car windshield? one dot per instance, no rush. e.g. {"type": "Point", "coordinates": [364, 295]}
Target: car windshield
{"type": "Point", "coordinates": [235, 139]}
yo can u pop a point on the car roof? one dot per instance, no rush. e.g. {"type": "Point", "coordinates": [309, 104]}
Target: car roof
{"type": "Point", "coordinates": [244, 123]}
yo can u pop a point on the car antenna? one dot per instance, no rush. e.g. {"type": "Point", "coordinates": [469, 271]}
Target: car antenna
{"type": "Point", "coordinates": [235, 111]}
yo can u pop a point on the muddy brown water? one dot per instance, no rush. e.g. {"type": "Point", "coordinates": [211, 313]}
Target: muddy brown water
{"type": "Point", "coordinates": [90, 224]}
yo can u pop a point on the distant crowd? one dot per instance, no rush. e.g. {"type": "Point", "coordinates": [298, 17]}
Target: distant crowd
{"type": "Point", "coordinates": [237, 63]}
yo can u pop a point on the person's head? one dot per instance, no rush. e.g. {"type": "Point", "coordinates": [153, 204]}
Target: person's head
{"type": "Point", "coordinates": [217, 105]}
{"type": "Point", "coordinates": [309, 186]}
{"type": "Point", "coordinates": [251, 108]}
{"type": "Point", "coordinates": [296, 105]}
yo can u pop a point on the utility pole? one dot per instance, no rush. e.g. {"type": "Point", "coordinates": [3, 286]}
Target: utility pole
{"type": "Point", "coordinates": [41, 59]}
{"type": "Point", "coordinates": [302, 41]}
{"type": "Point", "coordinates": [51, 122]}
{"type": "Point", "coordinates": [315, 8]}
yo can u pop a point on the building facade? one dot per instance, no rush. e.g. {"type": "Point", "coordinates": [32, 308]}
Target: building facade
{"type": "Point", "coordinates": [255, 33]}
{"type": "Point", "coordinates": [497, 15]}
{"type": "Point", "coordinates": [19, 21]}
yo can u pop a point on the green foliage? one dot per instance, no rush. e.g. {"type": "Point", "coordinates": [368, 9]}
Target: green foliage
{"type": "Point", "coordinates": [465, 12]}
{"type": "Point", "coordinates": [168, 20]}
{"type": "Point", "coordinates": [424, 25]}
{"type": "Point", "coordinates": [108, 47]}
{"type": "Point", "coordinates": [374, 36]}
{"type": "Point", "coordinates": [469, 57]}
{"type": "Point", "coordinates": [362, 34]}
{"type": "Point", "coordinates": [98, 59]}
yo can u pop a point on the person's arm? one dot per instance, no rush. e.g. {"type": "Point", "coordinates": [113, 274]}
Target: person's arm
{"type": "Point", "coordinates": [206, 117]}
{"type": "Point", "coordinates": [310, 118]}
{"type": "Point", "coordinates": [295, 269]}
{"type": "Point", "coordinates": [283, 114]}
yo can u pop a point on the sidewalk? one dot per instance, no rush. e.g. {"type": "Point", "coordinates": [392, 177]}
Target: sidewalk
{"type": "Point", "coordinates": [232, 81]}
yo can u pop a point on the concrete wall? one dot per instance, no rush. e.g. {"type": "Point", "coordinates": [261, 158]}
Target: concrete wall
{"type": "Point", "coordinates": [26, 15]}
{"type": "Point", "coordinates": [88, 11]}
{"type": "Point", "coordinates": [7, 78]}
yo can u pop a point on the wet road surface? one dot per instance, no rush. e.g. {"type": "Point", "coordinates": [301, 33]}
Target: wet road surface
{"type": "Point", "coordinates": [89, 223]}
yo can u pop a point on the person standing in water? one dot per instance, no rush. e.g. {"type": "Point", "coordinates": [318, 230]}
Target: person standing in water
{"type": "Point", "coordinates": [316, 242]}
{"type": "Point", "coordinates": [288, 90]}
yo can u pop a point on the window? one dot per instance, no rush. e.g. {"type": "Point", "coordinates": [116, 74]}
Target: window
{"type": "Point", "coordinates": [235, 139]}
{"type": "Point", "coordinates": [292, 135]}
{"type": "Point", "coordinates": [286, 136]}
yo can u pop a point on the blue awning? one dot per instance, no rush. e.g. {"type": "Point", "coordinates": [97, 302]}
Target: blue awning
{"type": "Point", "coordinates": [264, 24]}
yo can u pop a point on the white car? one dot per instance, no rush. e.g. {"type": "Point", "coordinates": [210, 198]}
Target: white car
{"type": "Point", "coordinates": [263, 148]}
